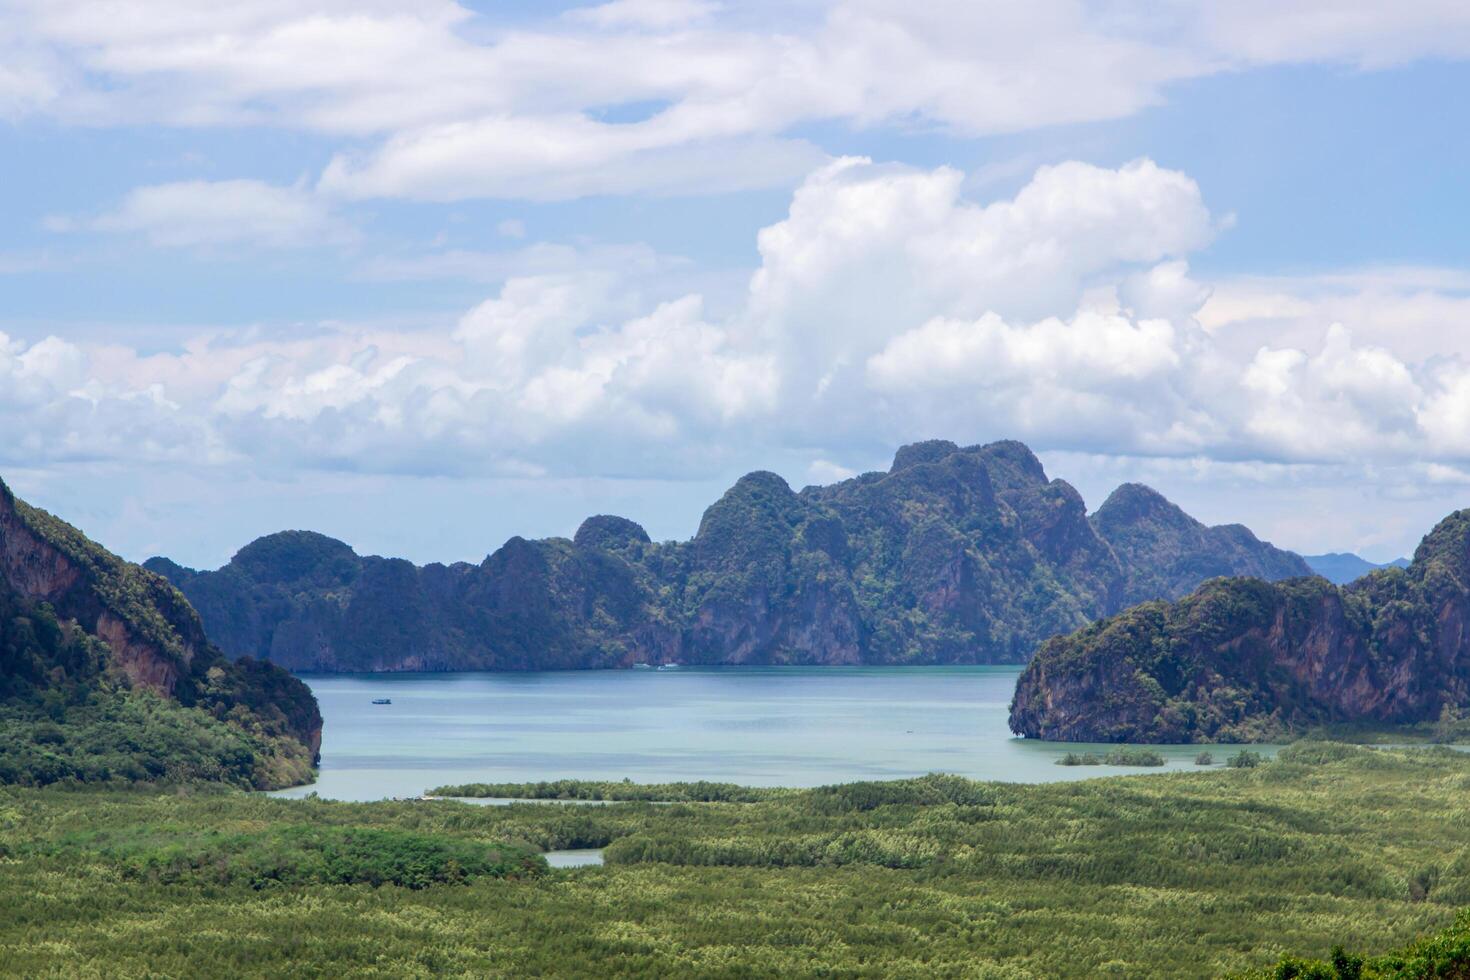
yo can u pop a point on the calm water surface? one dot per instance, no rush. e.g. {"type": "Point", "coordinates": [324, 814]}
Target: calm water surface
{"type": "Point", "coordinates": [758, 726]}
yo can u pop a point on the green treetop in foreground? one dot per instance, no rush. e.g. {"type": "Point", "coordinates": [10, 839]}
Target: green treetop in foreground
{"type": "Point", "coordinates": [1197, 873]}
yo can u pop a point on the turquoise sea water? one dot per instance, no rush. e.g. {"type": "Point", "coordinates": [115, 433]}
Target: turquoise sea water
{"type": "Point", "coordinates": [758, 726]}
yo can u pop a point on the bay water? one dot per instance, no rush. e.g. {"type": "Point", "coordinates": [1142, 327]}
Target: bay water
{"type": "Point", "coordinates": [756, 726]}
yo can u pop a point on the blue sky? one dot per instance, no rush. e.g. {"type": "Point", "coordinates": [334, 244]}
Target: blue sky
{"type": "Point", "coordinates": [424, 275]}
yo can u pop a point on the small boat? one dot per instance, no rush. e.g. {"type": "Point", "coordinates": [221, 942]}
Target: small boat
{"type": "Point", "coordinates": [642, 666]}
{"type": "Point", "coordinates": [669, 666]}
{"type": "Point", "coordinates": [382, 700]}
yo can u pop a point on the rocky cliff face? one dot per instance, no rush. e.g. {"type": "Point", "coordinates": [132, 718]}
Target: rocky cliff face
{"type": "Point", "coordinates": [40, 560]}
{"type": "Point", "coordinates": [1245, 659]}
{"type": "Point", "coordinates": [954, 555]}
{"type": "Point", "coordinates": [152, 637]}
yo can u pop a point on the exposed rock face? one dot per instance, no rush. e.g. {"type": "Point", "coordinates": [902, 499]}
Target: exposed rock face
{"type": "Point", "coordinates": [152, 653]}
{"type": "Point", "coordinates": [955, 555]}
{"type": "Point", "coordinates": [1245, 659]}
{"type": "Point", "coordinates": [153, 637]}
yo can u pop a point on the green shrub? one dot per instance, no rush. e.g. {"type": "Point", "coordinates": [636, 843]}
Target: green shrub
{"type": "Point", "coordinates": [303, 855]}
{"type": "Point", "coordinates": [1321, 753]}
{"type": "Point", "coordinates": [605, 790]}
{"type": "Point", "coordinates": [1244, 759]}
{"type": "Point", "coordinates": [1204, 759]}
{"type": "Point", "coordinates": [1116, 757]}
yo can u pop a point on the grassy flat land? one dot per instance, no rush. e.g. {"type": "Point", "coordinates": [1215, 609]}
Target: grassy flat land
{"type": "Point", "coordinates": [1182, 874]}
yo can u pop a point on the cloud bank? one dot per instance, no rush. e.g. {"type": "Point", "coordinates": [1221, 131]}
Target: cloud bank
{"type": "Point", "coordinates": [433, 101]}
{"type": "Point", "coordinates": [887, 306]}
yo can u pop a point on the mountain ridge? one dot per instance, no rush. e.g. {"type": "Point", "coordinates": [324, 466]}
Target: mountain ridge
{"type": "Point", "coordinates": [1340, 568]}
{"type": "Point", "coordinates": [954, 555]}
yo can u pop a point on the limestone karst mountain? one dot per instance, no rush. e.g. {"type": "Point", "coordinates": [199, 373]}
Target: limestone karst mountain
{"type": "Point", "coordinates": [955, 555]}
{"type": "Point", "coordinates": [1242, 659]}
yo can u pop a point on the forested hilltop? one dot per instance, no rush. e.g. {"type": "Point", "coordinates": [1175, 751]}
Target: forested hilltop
{"type": "Point", "coordinates": [1243, 659]}
{"type": "Point", "coordinates": [955, 555]}
{"type": "Point", "coordinates": [106, 675]}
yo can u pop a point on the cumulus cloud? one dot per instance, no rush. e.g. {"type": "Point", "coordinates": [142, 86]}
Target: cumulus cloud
{"type": "Point", "coordinates": [1343, 401]}
{"type": "Point", "coordinates": [887, 306]}
{"type": "Point", "coordinates": [1092, 352]}
{"type": "Point", "coordinates": [54, 409]}
{"type": "Point", "coordinates": [223, 212]}
{"type": "Point", "coordinates": [451, 103]}
{"type": "Point", "coordinates": [864, 247]}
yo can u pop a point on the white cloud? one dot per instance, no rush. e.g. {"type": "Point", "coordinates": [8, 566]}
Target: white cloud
{"type": "Point", "coordinates": [658, 14]}
{"type": "Point", "coordinates": [454, 103]}
{"type": "Point", "coordinates": [1445, 416]}
{"type": "Point", "coordinates": [557, 158]}
{"type": "Point", "coordinates": [224, 212]}
{"type": "Point", "coordinates": [1342, 402]}
{"type": "Point", "coordinates": [54, 409]}
{"type": "Point", "coordinates": [1364, 33]}
{"type": "Point", "coordinates": [1420, 313]}
{"type": "Point", "coordinates": [867, 246]}
{"type": "Point", "coordinates": [1090, 350]}
{"type": "Point", "coordinates": [824, 471]}
{"type": "Point", "coordinates": [1164, 291]}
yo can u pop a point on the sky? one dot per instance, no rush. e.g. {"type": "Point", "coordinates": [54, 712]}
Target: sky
{"type": "Point", "coordinates": [424, 275]}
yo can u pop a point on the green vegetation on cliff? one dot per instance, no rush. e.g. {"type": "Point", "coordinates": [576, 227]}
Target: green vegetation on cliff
{"type": "Point", "coordinates": [1244, 660]}
{"type": "Point", "coordinates": [955, 555]}
{"type": "Point", "coordinates": [106, 675]}
{"type": "Point", "coordinates": [1199, 873]}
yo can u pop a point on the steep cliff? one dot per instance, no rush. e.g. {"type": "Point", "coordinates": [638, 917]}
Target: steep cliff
{"type": "Point", "coordinates": [90, 638]}
{"type": "Point", "coordinates": [954, 555]}
{"type": "Point", "coordinates": [1246, 659]}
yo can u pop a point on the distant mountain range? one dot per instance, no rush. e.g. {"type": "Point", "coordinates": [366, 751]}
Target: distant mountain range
{"type": "Point", "coordinates": [954, 555]}
{"type": "Point", "coordinates": [1340, 568]}
{"type": "Point", "coordinates": [1246, 660]}
{"type": "Point", "coordinates": [106, 675]}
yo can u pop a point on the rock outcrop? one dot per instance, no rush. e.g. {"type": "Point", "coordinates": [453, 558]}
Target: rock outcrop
{"type": "Point", "coordinates": [1243, 659]}
{"type": "Point", "coordinates": [955, 555]}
